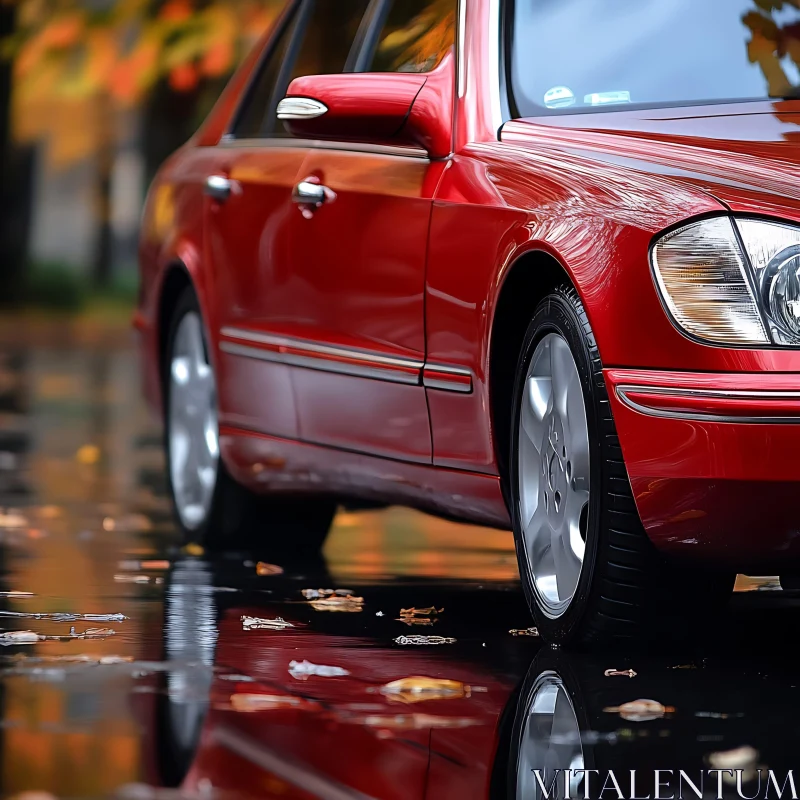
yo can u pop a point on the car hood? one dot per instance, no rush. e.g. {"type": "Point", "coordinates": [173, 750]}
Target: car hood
{"type": "Point", "coordinates": [746, 155]}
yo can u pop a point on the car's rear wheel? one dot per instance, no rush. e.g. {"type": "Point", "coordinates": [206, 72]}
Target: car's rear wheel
{"type": "Point", "coordinates": [211, 508]}
{"type": "Point", "coordinates": [589, 571]}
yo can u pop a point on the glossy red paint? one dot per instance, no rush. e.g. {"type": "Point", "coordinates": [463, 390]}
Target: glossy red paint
{"type": "Point", "coordinates": [410, 261]}
{"type": "Point", "coordinates": [361, 107]}
{"type": "Point", "coordinates": [718, 480]}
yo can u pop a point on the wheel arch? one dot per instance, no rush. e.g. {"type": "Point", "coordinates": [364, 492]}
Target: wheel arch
{"type": "Point", "coordinates": [530, 277]}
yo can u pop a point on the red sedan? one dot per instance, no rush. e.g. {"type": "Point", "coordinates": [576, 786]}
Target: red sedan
{"type": "Point", "coordinates": [523, 264]}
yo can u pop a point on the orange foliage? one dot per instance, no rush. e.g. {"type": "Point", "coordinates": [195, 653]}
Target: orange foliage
{"type": "Point", "coordinates": [176, 11]}
{"type": "Point", "coordinates": [183, 78]}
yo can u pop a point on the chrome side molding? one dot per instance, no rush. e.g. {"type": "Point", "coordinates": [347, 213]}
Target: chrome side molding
{"type": "Point", "coordinates": [301, 108]}
{"type": "Point", "coordinates": [447, 378]}
{"type": "Point", "coordinates": [343, 360]}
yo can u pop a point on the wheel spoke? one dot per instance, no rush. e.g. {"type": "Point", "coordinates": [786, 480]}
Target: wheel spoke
{"type": "Point", "coordinates": [537, 535]}
{"type": "Point", "coordinates": [567, 563]}
{"type": "Point", "coordinates": [535, 405]}
{"type": "Point", "coordinates": [529, 478]}
{"type": "Point", "coordinates": [562, 368]}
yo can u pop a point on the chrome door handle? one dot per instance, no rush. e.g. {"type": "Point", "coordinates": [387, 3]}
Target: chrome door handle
{"type": "Point", "coordinates": [310, 195]}
{"type": "Point", "coordinates": [219, 187]}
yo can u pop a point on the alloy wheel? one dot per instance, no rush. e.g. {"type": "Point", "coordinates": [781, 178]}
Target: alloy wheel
{"type": "Point", "coordinates": [550, 742]}
{"type": "Point", "coordinates": [553, 474]}
{"type": "Point", "coordinates": [193, 424]}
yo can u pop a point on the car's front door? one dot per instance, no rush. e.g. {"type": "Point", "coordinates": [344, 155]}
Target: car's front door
{"type": "Point", "coordinates": [358, 266]}
{"type": "Point", "coordinates": [250, 213]}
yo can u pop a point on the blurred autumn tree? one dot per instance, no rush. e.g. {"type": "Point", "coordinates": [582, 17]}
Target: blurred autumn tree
{"type": "Point", "coordinates": [771, 42]}
{"type": "Point", "coordinates": [82, 64]}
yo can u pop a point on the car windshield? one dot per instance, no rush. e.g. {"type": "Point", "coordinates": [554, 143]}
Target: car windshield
{"type": "Point", "coordinates": [584, 55]}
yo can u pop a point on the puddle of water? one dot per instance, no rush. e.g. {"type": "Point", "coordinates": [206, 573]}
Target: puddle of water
{"type": "Point", "coordinates": [430, 684]}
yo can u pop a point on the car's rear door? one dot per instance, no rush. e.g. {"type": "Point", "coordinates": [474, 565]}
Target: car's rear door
{"type": "Point", "coordinates": [250, 215]}
{"type": "Point", "coordinates": [357, 307]}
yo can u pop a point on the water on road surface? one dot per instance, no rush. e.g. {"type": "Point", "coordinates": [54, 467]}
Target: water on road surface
{"type": "Point", "coordinates": [131, 665]}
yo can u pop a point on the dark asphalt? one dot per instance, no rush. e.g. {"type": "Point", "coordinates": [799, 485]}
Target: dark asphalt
{"type": "Point", "coordinates": [184, 691]}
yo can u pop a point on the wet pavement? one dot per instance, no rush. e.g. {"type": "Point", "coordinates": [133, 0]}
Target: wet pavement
{"type": "Point", "coordinates": [130, 664]}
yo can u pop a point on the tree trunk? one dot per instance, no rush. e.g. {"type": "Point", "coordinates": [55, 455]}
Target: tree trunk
{"type": "Point", "coordinates": [104, 238]}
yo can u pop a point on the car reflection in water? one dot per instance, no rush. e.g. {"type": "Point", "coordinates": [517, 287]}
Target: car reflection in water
{"type": "Point", "coordinates": [235, 717]}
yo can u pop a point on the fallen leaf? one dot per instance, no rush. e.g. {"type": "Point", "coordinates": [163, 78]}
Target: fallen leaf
{"type": "Point", "coordinates": [640, 710]}
{"type": "Point", "coordinates": [124, 578]}
{"type": "Point", "coordinates": [424, 640]}
{"type": "Point", "coordinates": [262, 569]}
{"type": "Point", "coordinates": [316, 594]}
{"type": "Point", "coordinates": [50, 512]}
{"type": "Point", "coordinates": [19, 637]}
{"type": "Point", "coordinates": [268, 702]}
{"type": "Point", "coordinates": [715, 715]}
{"type": "Point", "coordinates": [78, 659]}
{"type": "Point", "coordinates": [628, 673]}
{"type": "Point", "coordinates": [738, 758]}
{"type": "Point", "coordinates": [91, 633]}
{"type": "Point", "coordinates": [420, 612]}
{"type": "Point", "coordinates": [12, 519]}
{"type": "Point", "coordinates": [258, 623]}
{"type": "Point", "coordinates": [412, 722]}
{"type": "Point", "coordinates": [158, 564]}
{"type": "Point", "coordinates": [64, 616]}
{"type": "Point", "coordinates": [193, 549]}
{"type": "Point", "coordinates": [524, 631]}
{"type": "Point", "coordinates": [302, 670]}
{"type": "Point", "coordinates": [88, 454]}
{"type": "Point", "coordinates": [417, 688]}
{"type": "Point", "coordinates": [334, 603]}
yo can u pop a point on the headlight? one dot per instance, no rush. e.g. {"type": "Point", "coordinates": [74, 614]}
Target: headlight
{"type": "Point", "coordinates": [734, 282]}
{"type": "Point", "coordinates": [774, 252]}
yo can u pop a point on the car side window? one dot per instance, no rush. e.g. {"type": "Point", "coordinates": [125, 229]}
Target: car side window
{"type": "Point", "coordinates": [415, 36]}
{"type": "Point", "coordinates": [249, 123]}
{"type": "Point", "coordinates": [316, 41]}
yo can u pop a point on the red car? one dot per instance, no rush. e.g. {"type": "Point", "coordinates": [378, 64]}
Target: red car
{"type": "Point", "coordinates": [527, 264]}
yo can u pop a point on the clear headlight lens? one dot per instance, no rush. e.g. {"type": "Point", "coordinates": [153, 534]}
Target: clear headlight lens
{"type": "Point", "coordinates": [720, 293]}
{"type": "Point", "coordinates": [774, 252]}
{"type": "Point", "coordinates": [701, 273]}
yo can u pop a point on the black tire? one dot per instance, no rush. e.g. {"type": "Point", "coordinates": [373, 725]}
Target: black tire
{"type": "Point", "coordinates": [626, 591]}
{"type": "Point", "coordinates": [278, 526]}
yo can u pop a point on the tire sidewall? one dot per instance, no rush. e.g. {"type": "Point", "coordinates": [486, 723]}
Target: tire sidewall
{"type": "Point", "coordinates": [557, 314]}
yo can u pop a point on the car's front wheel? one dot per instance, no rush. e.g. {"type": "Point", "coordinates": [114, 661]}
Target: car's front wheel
{"type": "Point", "coordinates": [589, 572]}
{"type": "Point", "coordinates": [211, 508]}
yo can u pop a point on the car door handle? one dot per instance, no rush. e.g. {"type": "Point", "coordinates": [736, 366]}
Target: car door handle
{"type": "Point", "coordinates": [310, 195]}
{"type": "Point", "coordinates": [219, 187]}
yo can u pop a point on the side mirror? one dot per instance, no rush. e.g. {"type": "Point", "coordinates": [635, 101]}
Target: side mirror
{"type": "Point", "coordinates": [381, 108]}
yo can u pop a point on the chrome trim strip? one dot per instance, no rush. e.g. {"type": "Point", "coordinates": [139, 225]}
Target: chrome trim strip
{"type": "Point", "coordinates": [621, 392]}
{"type": "Point", "coordinates": [438, 381]}
{"type": "Point", "coordinates": [300, 108]}
{"type": "Point", "coordinates": [355, 147]}
{"type": "Point", "coordinates": [323, 349]}
{"type": "Point", "coordinates": [321, 357]}
{"type": "Point", "coordinates": [320, 364]}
